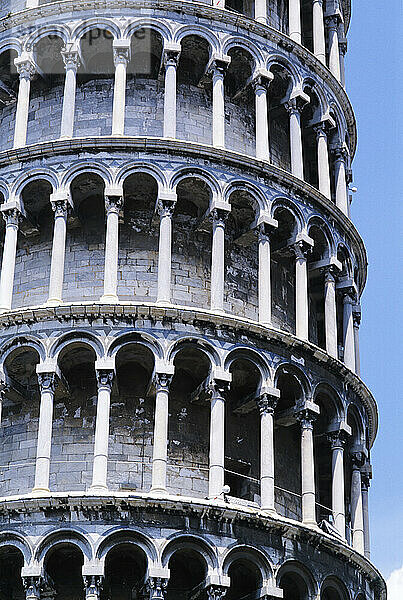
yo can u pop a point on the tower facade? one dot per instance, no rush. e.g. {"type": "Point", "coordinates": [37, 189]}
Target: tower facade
{"type": "Point", "coordinates": [182, 413]}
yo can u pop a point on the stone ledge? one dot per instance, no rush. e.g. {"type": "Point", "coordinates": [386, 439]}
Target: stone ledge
{"type": "Point", "coordinates": [209, 12]}
{"type": "Point", "coordinates": [193, 315]}
{"type": "Point", "coordinates": [288, 528]}
{"type": "Point", "coordinates": [154, 144]}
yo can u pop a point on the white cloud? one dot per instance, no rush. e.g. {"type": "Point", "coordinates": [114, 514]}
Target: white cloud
{"type": "Point", "coordinates": [395, 584]}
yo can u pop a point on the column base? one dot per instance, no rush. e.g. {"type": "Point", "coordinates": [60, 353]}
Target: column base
{"type": "Point", "coordinates": [158, 492]}
{"type": "Point", "coordinates": [54, 302]}
{"type": "Point", "coordinates": [163, 302]}
{"type": "Point", "coordinates": [270, 512]}
{"type": "Point", "coordinates": [109, 299]}
{"type": "Point", "coordinates": [98, 489]}
{"type": "Point", "coordinates": [38, 491]}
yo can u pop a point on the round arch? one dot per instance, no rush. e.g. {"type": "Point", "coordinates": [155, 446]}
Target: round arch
{"type": "Point", "coordinates": [8, 347]}
{"type": "Point", "coordinates": [46, 30]}
{"type": "Point", "coordinates": [163, 29]}
{"type": "Point", "coordinates": [143, 339]}
{"type": "Point", "coordinates": [142, 168]}
{"type": "Point", "coordinates": [16, 540]}
{"type": "Point", "coordinates": [83, 167]}
{"type": "Point", "coordinates": [295, 372]}
{"type": "Point", "coordinates": [281, 61]}
{"type": "Point", "coordinates": [193, 342]}
{"type": "Point", "coordinates": [287, 204]}
{"type": "Point", "coordinates": [334, 583]}
{"type": "Point", "coordinates": [201, 32]}
{"type": "Point", "coordinates": [116, 536]}
{"type": "Point", "coordinates": [325, 229]}
{"type": "Point", "coordinates": [291, 567]}
{"type": "Point", "coordinates": [246, 45]}
{"type": "Point", "coordinates": [196, 173]}
{"type": "Point", "coordinates": [181, 541]}
{"type": "Point", "coordinates": [34, 175]}
{"type": "Point", "coordinates": [96, 23]}
{"type": "Point", "coordinates": [59, 537]}
{"type": "Point", "coordinates": [251, 189]}
{"type": "Point", "coordinates": [255, 555]}
{"type": "Point", "coordinates": [78, 336]}
{"type": "Point", "coordinates": [250, 355]}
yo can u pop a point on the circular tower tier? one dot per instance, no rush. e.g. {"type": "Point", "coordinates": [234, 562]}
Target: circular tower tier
{"type": "Point", "coordinates": [181, 410]}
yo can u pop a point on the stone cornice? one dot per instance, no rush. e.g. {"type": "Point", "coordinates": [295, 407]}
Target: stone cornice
{"type": "Point", "coordinates": [152, 144]}
{"type": "Point", "coordinates": [200, 10]}
{"type": "Point", "coordinates": [139, 312]}
{"type": "Point", "coordinates": [244, 515]}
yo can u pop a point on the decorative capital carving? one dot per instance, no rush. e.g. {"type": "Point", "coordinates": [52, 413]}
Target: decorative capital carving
{"type": "Point", "coordinates": [330, 273]}
{"type": "Point", "coordinates": [356, 316]}
{"type": "Point", "coordinates": [60, 208]}
{"type": "Point", "coordinates": [93, 585]}
{"type": "Point", "coordinates": [33, 587]}
{"type": "Point", "coordinates": [25, 68]}
{"type": "Point", "coordinates": [216, 592]}
{"type": "Point", "coordinates": [339, 154]}
{"type": "Point", "coordinates": [332, 22]}
{"type": "Point", "coordinates": [296, 104]}
{"type": "Point", "coordinates": [12, 217]}
{"type": "Point", "coordinates": [162, 381]}
{"type": "Point", "coordinates": [105, 378]}
{"type": "Point", "coordinates": [171, 57]}
{"type": "Point", "coordinates": [165, 208]}
{"type": "Point", "coordinates": [218, 66]}
{"type": "Point", "coordinates": [337, 440]}
{"type": "Point", "coordinates": [267, 403]}
{"type": "Point", "coordinates": [306, 418]}
{"type": "Point", "coordinates": [155, 588]}
{"type": "Point", "coordinates": [219, 216]}
{"type": "Point", "coordinates": [47, 382]}
{"type": "Point", "coordinates": [113, 204]}
{"type": "Point", "coordinates": [71, 59]}
{"type": "Point", "coordinates": [121, 55]}
{"type": "Point", "coordinates": [357, 460]}
{"type": "Point", "coordinates": [218, 389]}
{"type": "Point", "coordinates": [301, 249]}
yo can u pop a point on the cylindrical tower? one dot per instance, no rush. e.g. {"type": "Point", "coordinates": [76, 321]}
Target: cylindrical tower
{"type": "Point", "coordinates": [182, 414]}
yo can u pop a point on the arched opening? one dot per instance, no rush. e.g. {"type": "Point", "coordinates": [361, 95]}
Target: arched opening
{"type": "Point", "coordinates": [283, 270]}
{"type": "Point", "coordinates": [85, 244]}
{"type": "Point", "coordinates": [188, 570]}
{"type": "Point", "coordinates": [327, 421]}
{"type": "Point", "coordinates": [309, 117]}
{"type": "Point", "coordinates": [125, 572]}
{"type": "Point", "coordinates": [239, 103]}
{"type": "Point", "coordinates": [294, 586]}
{"type": "Point", "coordinates": [246, 579]}
{"type": "Point", "coordinates": [316, 284]}
{"type": "Point", "coordinates": [191, 285]}
{"type": "Point", "coordinates": [95, 83]}
{"type": "Point", "coordinates": [194, 100]}
{"type": "Point", "coordinates": [11, 563]}
{"type": "Point", "coordinates": [8, 97]}
{"type": "Point", "coordinates": [278, 118]}
{"type": "Point", "coordinates": [189, 425]}
{"type": "Point", "coordinates": [74, 416]}
{"type": "Point", "coordinates": [144, 91]}
{"type": "Point", "coordinates": [63, 567]}
{"type": "Point", "coordinates": [242, 256]}
{"type": "Point", "coordinates": [242, 422]}
{"type": "Point", "coordinates": [20, 414]}
{"type": "Point", "coordinates": [138, 239]}
{"type": "Point", "coordinates": [287, 444]}
{"type": "Point", "coordinates": [344, 276]}
{"type": "Point", "coordinates": [34, 249]}
{"type": "Point", "coordinates": [46, 93]}
{"type": "Point", "coordinates": [131, 419]}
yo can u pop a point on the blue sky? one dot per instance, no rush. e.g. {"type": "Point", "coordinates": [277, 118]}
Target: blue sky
{"type": "Point", "coordinates": [374, 75]}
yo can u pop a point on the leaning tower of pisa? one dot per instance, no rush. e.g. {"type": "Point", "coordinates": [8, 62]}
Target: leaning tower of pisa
{"type": "Point", "coordinates": [182, 413]}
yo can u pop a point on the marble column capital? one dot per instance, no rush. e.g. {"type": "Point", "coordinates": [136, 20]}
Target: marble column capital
{"type": "Point", "coordinates": [332, 21]}
{"type": "Point", "coordinates": [113, 204]}
{"type": "Point", "coordinates": [296, 104]}
{"type": "Point", "coordinates": [25, 66]}
{"type": "Point", "coordinates": [357, 460]}
{"type": "Point", "coordinates": [71, 58]}
{"type": "Point", "coordinates": [218, 389]}
{"type": "Point", "coordinates": [216, 592]}
{"type": "Point", "coordinates": [218, 65]}
{"type": "Point", "coordinates": [60, 207]}
{"type": "Point", "coordinates": [267, 403]}
{"type": "Point", "coordinates": [93, 585]}
{"type": "Point", "coordinates": [337, 440]}
{"type": "Point", "coordinates": [261, 80]}
{"type": "Point", "coordinates": [104, 379]}
{"type": "Point", "coordinates": [12, 216]}
{"type": "Point", "coordinates": [301, 249]}
{"type": "Point", "coordinates": [162, 381]}
{"type": "Point", "coordinates": [155, 588]}
{"type": "Point", "coordinates": [356, 316]}
{"type": "Point", "coordinates": [33, 586]}
{"type": "Point", "coordinates": [47, 382]}
{"type": "Point", "coordinates": [171, 55]}
{"type": "Point", "coordinates": [219, 216]}
{"type": "Point", "coordinates": [165, 208]}
{"type": "Point", "coordinates": [306, 418]}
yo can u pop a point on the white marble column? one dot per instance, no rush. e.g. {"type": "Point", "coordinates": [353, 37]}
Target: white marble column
{"type": "Point", "coordinates": [171, 58]}
{"type": "Point", "coordinates": [356, 325]}
{"type": "Point", "coordinates": [294, 20]}
{"type": "Point", "coordinates": [59, 207]}
{"type": "Point", "coordinates": [323, 160]}
{"type": "Point", "coordinates": [165, 210]}
{"type": "Point", "coordinates": [121, 57]}
{"type": "Point", "coordinates": [218, 217]}
{"type": "Point", "coordinates": [261, 11]}
{"type": "Point", "coordinates": [318, 30]}
{"type": "Point", "coordinates": [93, 586]}
{"type": "Point", "coordinates": [26, 70]}
{"type": "Point", "coordinates": [308, 491]}
{"type": "Point", "coordinates": [297, 161]}
{"type": "Point", "coordinates": [218, 390]}
{"type": "Point", "coordinates": [218, 69]}
{"type": "Point", "coordinates": [340, 180]}
{"type": "Point", "coordinates": [260, 86]}
{"type": "Point", "coordinates": [267, 403]}
{"type": "Point", "coordinates": [264, 276]}
{"type": "Point", "coordinates": [71, 63]}
{"type": "Point", "coordinates": [113, 204]}
{"type": "Point", "coordinates": [357, 517]}
{"type": "Point", "coordinates": [338, 500]}
{"type": "Point", "coordinates": [12, 218]}
{"type": "Point", "coordinates": [330, 313]}
{"type": "Point", "coordinates": [44, 443]}
{"type": "Point", "coordinates": [348, 332]}
{"type": "Point", "coordinates": [100, 466]}
{"type": "Point", "coordinates": [301, 291]}
{"type": "Point", "coordinates": [365, 482]}
{"type": "Point", "coordinates": [333, 45]}
{"type": "Point", "coordinates": [160, 445]}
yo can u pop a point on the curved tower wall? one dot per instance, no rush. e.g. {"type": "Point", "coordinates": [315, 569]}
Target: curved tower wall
{"type": "Point", "coordinates": [182, 413]}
